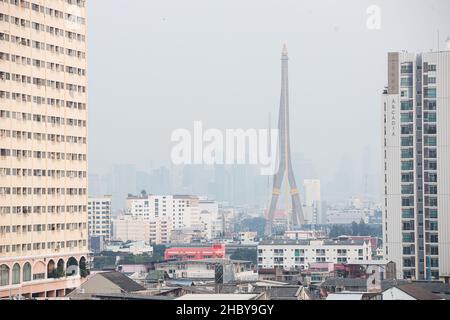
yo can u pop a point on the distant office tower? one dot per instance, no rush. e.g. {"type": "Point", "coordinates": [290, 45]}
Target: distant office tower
{"type": "Point", "coordinates": [43, 115]}
{"type": "Point", "coordinates": [285, 171]}
{"type": "Point", "coordinates": [124, 183]}
{"type": "Point", "coordinates": [416, 107]}
{"type": "Point", "coordinates": [312, 191]}
{"type": "Point", "coordinates": [312, 207]}
{"type": "Point", "coordinates": [99, 214]}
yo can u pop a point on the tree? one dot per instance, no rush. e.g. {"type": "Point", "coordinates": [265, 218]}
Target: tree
{"type": "Point", "coordinates": [253, 224]}
{"type": "Point", "coordinates": [355, 229]}
{"type": "Point", "coordinates": [245, 254]}
{"type": "Point", "coordinates": [144, 193]}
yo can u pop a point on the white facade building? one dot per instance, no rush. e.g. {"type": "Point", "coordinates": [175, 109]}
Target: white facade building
{"type": "Point", "coordinates": [128, 228]}
{"type": "Point", "coordinates": [416, 157]}
{"type": "Point", "coordinates": [175, 212]}
{"type": "Point", "coordinates": [211, 224]}
{"type": "Point", "coordinates": [348, 215]}
{"type": "Point", "coordinates": [297, 254]}
{"type": "Point", "coordinates": [99, 217]}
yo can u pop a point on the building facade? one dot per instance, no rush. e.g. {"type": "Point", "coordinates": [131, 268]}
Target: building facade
{"type": "Point", "coordinates": [169, 213]}
{"type": "Point", "coordinates": [43, 146]}
{"type": "Point", "coordinates": [298, 254]}
{"type": "Point", "coordinates": [416, 157]}
{"type": "Point", "coordinates": [217, 251]}
{"type": "Point", "coordinates": [99, 217]}
{"type": "Point", "coordinates": [128, 228]}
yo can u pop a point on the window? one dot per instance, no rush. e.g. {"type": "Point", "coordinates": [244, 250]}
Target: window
{"type": "Point", "coordinates": [26, 276]}
{"type": "Point", "coordinates": [4, 275]}
{"type": "Point", "coordinates": [16, 274]}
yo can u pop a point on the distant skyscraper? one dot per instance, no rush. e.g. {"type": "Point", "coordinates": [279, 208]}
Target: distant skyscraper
{"type": "Point", "coordinates": [312, 191]}
{"type": "Point", "coordinates": [416, 147]}
{"type": "Point", "coordinates": [285, 171]}
{"type": "Point", "coordinates": [124, 183]}
{"type": "Point", "coordinates": [43, 147]}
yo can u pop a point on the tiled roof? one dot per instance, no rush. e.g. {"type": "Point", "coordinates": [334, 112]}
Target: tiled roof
{"type": "Point", "coordinates": [122, 281]}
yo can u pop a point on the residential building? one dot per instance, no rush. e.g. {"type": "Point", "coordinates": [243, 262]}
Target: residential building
{"type": "Point", "coordinates": [99, 217]}
{"type": "Point", "coordinates": [43, 147]}
{"type": "Point", "coordinates": [128, 228]}
{"type": "Point", "coordinates": [136, 247]}
{"type": "Point", "coordinates": [297, 254]}
{"type": "Point", "coordinates": [416, 153]}
{"type": "Point", "coordinates": [216, 251]}
{"type": "Point", "coordinates": [171, 213]}
{"type": "Point", "coordinates": [206, 269]}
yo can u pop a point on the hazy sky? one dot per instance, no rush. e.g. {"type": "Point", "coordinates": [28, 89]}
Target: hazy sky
{"type": "Point", "coordinates": [159, 65]}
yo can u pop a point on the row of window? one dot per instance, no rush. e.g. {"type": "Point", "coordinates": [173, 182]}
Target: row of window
{"type": "Point", "coordinates": [42, 227]}
{"type": "Point", "coordinates": [57, 85]}
{"type": "Point", "coordinates": [17, 153]}
{"type": "Point", "coordinates": [27, 135]}
{"type": "Point", "coordinates": [42, 246]}
{"type": "Point", "coordinates": [53, 66]}
{"type": "Point", "coordinates": [42, 27]}
{"type": "Point", "coordinates": [38, 45]}
{"type": "Point", "coordinates": [19, 172]}
{"type": "Point", "coordinates": [42, 209]}
{"type": "Point", "coordinates": [41, 191]}
{"type": "Point", "coordinates": [53, 120]}
{"type": "Point", "coordinates": [21, 97]}
{"type": "Point", "coordinates": [47, 11]}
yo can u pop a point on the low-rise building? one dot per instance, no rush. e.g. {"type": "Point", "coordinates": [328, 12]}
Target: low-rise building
{"type": "Point", "coordinates": [216, 251]}
{"type": "Point", "coordinates": [136, 247]}
{"type": "Point", "coordinates": [248, 237]}
{"type": "Point", "coordinates": [207, 269]}
{"type": "Point", "coordinates": [297, 254]}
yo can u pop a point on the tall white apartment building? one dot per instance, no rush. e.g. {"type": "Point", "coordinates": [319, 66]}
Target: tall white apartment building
{"type": "Point", "coordinates": [43, 146]}
{"type": "Point", "coordinates": [99, 217]}
{"type": "Point", "coordinates": [416, 162]}
{"type": "Point", "coordinates": [165, 213]}
{"type": "Point", "coordinates": [298, 254]}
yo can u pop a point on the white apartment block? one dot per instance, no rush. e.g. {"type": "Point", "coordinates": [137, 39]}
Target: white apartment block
{"type": "Point", "coordinates": [128, 228]}
{"type": "Point", "coordinates": [297, 254]}
{"type": "Point", "coordinates": [165, 213]}
{"type": "Point", "coordinates": [99, 217]}
{"type": "Point", "coordinates": [210, 222]}
{"type": "Point", "coordinates": [43, 146]}
{"type": "Point", "coordinates": [416, 163]}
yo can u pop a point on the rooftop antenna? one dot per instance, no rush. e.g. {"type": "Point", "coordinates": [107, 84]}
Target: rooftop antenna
{"type": "Point", "coordinates": [438, 44]}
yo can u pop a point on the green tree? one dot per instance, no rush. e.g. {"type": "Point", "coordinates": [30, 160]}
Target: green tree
{"type": "Point", "coordinates": [245, 254]}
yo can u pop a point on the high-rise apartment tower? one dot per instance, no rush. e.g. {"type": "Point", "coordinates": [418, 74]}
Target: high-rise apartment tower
{"type": "Point", "coordinates": [416, 162]}
{"type": "Point", "coordinates": [43, 147]}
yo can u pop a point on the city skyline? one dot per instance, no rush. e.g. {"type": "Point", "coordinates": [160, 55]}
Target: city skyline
{"type": "Point", "coordinates": [316, 68]}
{"type": "Point", "coordinates": [160, 178]}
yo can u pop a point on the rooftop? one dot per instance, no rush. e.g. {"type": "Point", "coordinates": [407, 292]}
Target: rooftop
{"type": "Point", "coordinates": [327, 242]}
